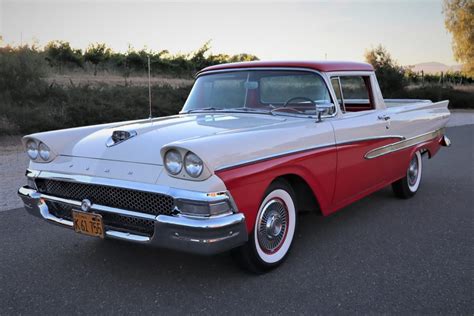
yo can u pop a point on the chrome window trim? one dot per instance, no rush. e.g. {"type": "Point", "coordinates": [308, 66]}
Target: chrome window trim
{"type": "Point", "coordinates": [403, 144]}
{"type": "Point", "coordinates": [323, 75]}
{"type": "Point", "coordinates": [377, 94]}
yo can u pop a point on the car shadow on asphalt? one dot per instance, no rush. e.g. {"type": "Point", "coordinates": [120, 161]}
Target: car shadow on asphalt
{"type": "Point", "coordinates": [314, 234]}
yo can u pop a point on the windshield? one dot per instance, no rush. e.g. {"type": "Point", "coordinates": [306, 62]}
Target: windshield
{"type": "Point", "coordinates": [267, 91]}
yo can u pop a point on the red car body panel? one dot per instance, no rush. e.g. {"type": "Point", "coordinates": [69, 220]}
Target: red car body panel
{"type": "Point", "coordinates": [338, 175]}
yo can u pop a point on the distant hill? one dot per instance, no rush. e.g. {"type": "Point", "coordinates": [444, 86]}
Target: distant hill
{"type": "Point", "coordinates": [434, 67]}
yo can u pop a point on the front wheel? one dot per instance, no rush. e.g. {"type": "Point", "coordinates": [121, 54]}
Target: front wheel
{"type": "Point", "coordinates": [407, 187]}
{"type": "Point", "coordinates": [274, 228]}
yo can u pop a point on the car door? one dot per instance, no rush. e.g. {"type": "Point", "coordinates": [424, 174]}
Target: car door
{"type": "Point", "coordinates": [361, 128]}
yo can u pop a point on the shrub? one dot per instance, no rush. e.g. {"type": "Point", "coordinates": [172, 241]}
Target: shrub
{"type": "Point", "coordinates": [84, 105]}
{"type": "Point", "coordinates": [458, 99]}
{"type": "Point", "coordinates": [390, 75]}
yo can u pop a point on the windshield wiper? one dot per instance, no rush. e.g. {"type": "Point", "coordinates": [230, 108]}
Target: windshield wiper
{"type": "Point", "coordinates": [203, 110]}
{"type": "Point", "coordinates": [245, 109]}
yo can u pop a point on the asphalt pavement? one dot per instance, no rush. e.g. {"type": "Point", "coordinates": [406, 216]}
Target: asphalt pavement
{"type": "Point", "coordinates": [379, 255]}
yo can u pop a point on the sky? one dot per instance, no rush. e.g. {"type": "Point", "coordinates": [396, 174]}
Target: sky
{"type": "Point", "coordinates": [412, 31]}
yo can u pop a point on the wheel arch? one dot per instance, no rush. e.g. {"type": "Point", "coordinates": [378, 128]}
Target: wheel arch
{"type": "Point", "coordinates": [306, 199]}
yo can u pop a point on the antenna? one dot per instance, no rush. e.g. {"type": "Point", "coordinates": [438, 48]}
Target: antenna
{"type": "Point", "coordinates": [149, 85]}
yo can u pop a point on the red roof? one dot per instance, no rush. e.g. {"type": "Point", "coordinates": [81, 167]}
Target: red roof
{"type": "Point", "coordinates": [315, 65]}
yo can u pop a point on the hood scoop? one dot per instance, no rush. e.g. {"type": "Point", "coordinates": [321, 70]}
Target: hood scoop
{"type": "Point", "coordinates": [119, 137]}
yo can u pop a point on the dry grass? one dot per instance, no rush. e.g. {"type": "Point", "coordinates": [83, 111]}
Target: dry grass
{"type": "Point", "coordinates": [78, 79]}
{"type": "Point", "coordinates": [466, 88]}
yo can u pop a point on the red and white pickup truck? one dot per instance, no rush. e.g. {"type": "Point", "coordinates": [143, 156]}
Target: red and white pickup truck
{"type": "Point", "coordinates": [254, 144]}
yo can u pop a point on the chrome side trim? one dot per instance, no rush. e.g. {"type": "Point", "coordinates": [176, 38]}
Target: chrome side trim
{"type": "Point", "coordinates": [387, 149]}
{"type": "Point", "coordinates": [268, 157]}
{"type": "Point", "coordinates": [297, 151]}
{"type": "Point", "coordinates": [356, 140]}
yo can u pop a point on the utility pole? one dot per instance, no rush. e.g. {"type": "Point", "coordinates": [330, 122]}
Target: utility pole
{"type": "Point", "coordinates": [149, 85]}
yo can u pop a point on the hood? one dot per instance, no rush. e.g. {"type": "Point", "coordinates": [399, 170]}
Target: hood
{"type": "Point", "coordinates": [151, 135]}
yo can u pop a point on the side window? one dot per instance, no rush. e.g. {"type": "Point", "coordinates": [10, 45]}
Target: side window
{"type": "Point", "coordinates": [356, 92]}
{"type": "Point", "coordinates": [337, 89]}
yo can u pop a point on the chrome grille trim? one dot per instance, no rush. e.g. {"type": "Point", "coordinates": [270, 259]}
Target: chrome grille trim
{"type": "Point", "coordinates": [108, 198]}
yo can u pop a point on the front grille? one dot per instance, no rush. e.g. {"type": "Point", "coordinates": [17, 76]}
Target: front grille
{"type": "Point", "coordinates": [127, 199]}
{"type": "Point", "coordinates": [111, 220]}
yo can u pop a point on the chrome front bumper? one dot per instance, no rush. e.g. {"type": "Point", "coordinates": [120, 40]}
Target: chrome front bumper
{"type": "Point", "coordinates": [208, 235]}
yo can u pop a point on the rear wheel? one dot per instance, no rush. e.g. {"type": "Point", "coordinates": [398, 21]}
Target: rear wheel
{"type": "Point", "coordinates": [408, 186]}
{"type": "Point", "coordinates": [274, 228]}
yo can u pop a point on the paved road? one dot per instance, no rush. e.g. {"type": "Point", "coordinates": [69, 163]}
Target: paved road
{"type": "Point", "coordinates": [379, 255]}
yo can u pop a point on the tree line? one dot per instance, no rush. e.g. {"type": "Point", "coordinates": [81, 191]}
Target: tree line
{"type": "Point", "coordinates": [61, 56]}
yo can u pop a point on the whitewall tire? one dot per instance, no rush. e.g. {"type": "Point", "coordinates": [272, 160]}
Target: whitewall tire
{"type": "Point", "coordinates": [408, 186]}
{"type": "Point", "coordinates": [274, 229]}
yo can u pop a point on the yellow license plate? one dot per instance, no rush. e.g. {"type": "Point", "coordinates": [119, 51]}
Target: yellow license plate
{"type": "Point", "coordinates": [88, 224]}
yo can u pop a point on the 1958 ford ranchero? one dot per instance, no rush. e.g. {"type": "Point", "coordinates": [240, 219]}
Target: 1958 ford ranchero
{"type": "Point", "coordinates": [254, 144]}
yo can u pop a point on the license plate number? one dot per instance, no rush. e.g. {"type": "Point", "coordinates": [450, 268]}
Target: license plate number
{"type": "Point", "coordinates": [88, 224]}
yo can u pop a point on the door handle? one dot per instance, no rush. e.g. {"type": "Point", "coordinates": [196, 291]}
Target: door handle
{"type": "Point", "coordinates": [383, 117]}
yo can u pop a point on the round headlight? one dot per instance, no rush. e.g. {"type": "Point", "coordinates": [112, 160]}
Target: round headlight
{"type": "Point", "coordinates": [173, 161]}
{"type": "Point", "coordinates": [44, 151]}
{"type": "Point", "coordinates": [193, 165]}
{"type": "Point", "coordinates": [32, 149]}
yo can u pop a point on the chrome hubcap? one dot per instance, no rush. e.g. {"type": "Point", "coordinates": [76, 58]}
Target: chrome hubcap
{"type": "Point", "coordinates": [272, 225]}
{"type": "Point", "coordinates": [413, 171]}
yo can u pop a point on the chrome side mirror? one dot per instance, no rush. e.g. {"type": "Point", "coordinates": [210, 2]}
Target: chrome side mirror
{"type": "Point", "coordinates": [323, 108]}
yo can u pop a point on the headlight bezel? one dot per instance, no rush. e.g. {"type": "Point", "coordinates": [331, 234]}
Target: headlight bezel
{"type": "Point", "coordinates": [36, 150]}
{"type": "Point", "coordinates": [203, 174]}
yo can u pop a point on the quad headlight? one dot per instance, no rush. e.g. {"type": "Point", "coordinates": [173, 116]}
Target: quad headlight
{"type": "Point", "coordinates": [38, 151]}
{"type": "Point", "coordinates": [32, 149]}
{"type": "Point", "coordinates": [173, 162]}
{"type": "Point", "coordinates": [193, 165]}
{"type": "Point", "coordinates": [183, 164]}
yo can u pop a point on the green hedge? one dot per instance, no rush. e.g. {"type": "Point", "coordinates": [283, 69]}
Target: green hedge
{"type": "Point", "coordinates": [458, 99]}
{"type": "Point", "coordinates": [57, 107]}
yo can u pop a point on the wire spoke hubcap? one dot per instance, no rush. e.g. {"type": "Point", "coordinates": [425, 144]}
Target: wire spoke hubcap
{"type": "Point", "coordinates": [272, 226]}
{"type": "Point", "coordinates": [413, 171]}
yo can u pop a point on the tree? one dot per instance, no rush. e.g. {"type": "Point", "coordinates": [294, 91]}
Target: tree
{"type": "Point", "coordinates": [60, 53]}
{"type": "Point", "coordinates": [96, 54]}
{"type": "Point", "coordinates": [459, 20]}
{"type": "Point", "coordinates": [199, 60]}
{"type": "Point", "coordinates": [243, 57]}
{"type": "Point", "coordinates": [390, 75]}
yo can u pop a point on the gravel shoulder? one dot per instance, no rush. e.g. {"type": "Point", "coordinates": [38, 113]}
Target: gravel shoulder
{"type": "Point", "coordinates": [13, 162]}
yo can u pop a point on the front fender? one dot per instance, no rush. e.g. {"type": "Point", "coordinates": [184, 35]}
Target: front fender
{"type": "Point", "coordinates": [248, 183]}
